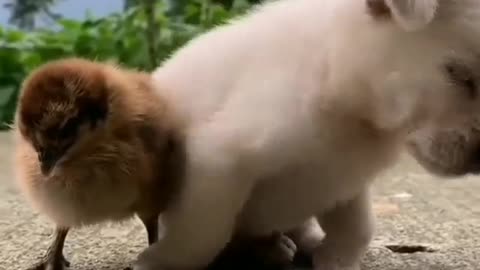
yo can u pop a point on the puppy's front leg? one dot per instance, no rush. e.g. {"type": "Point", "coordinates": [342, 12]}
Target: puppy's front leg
{"type": "Point", "coordinates": [349, 229]}
{"type": "Point", "coordinates": [201, 222]}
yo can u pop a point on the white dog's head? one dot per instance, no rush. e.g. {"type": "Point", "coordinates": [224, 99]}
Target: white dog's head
{"type": "Point", "coordinates": [419, 58]}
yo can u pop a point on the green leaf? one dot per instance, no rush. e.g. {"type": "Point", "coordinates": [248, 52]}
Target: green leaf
{"type": "Point", "coordinates": [240, 6]}
{"type": "Point", "coordinates": [6, 93]}
{"type": "Point", "coordinates": [14, 36]}
{"type": "Point", "coordinates": [31, 60]}
{"type": "Point", "coordinates": [70, 25]}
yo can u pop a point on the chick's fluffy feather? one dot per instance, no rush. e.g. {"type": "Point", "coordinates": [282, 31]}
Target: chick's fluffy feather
{"type": "Point", "coordinates": [113, 168]}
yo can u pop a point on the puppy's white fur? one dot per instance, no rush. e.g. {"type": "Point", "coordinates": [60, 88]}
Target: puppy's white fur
{"type": "Point", "coordinates": [291, 111]}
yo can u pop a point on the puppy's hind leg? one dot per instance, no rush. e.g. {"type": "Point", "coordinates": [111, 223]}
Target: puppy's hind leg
{"type": "Point", "coordinates": [54, 259]}
{"type": "Point", "coordinates": [349, 229]}
{"type": "Point", "coordinates": [306, 237]}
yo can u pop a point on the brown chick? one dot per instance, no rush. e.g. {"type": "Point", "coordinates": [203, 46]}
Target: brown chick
{"type": "Point", "coordinates": [94, 143]}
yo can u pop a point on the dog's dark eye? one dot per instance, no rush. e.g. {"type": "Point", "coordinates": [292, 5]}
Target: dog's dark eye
{"type": "Point", "coordinates": [463, 76]}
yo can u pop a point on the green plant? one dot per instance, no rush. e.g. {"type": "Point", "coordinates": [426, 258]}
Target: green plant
{"type": "Point", "coordinates": [120, 37]}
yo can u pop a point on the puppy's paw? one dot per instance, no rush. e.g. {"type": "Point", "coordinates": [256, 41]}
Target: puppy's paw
{"type": "Point", "coordinates": [274, 251]}
{"type": "Point", "coordinates": [278, 250]}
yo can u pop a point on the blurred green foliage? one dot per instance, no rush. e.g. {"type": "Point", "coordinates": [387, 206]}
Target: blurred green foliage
{"type": "Point", "coordinates": [119, 37]}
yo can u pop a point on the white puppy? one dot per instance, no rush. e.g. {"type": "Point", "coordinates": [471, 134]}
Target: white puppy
{"type": "Point", "coordinates": [291, 111]}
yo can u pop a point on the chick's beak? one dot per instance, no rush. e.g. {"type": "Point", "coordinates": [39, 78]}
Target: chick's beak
{"type": "Point", "coordinates": [48, 160]}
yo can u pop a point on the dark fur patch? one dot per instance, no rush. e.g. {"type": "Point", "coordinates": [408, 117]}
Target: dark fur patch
{"type": "Point", "coordinates": [70, 128]}
{"type": "Point", "coordinates": [93, 110]}
{"type": "Point", "coordinates": [168, 153]}
{"type": "Point", "coordinates": [463, 76]}
{"type": "Point", "coordinates": [378, 8]}
{"type": "Point", "coordinates": [149, 135]}
{"type": "Point", "coordinates": [173, 166]}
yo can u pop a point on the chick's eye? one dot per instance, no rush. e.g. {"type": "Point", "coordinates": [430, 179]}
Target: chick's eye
{"type": "Point", "coordinates": [463, 76]}
{"type": "Point", "coordinates": [70, 128]}
{"type": "Point", "coordinates": [67, 144]}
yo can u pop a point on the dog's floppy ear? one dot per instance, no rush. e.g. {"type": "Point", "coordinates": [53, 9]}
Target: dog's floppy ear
{"type": "Point", "coordinates": [411, 15]}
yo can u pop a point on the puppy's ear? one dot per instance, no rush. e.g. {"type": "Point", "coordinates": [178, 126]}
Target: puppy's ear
{"type": "Point", "coordinates": [411, 15]}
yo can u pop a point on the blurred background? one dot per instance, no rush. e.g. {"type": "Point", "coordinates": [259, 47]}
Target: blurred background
{"type": "Point", "coordinates": [135, 33]}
